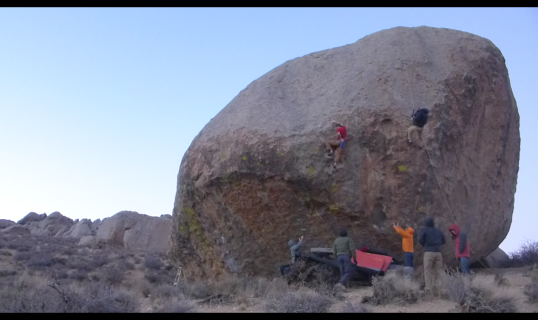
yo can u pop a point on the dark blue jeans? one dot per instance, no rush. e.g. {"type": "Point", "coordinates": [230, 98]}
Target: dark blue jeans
{"type": "Point", "coordinates": [409, 259]}
{"type": "Point", "coordinates": [346, 269]}
{"type": "Point", "coordinates": [464, 265]}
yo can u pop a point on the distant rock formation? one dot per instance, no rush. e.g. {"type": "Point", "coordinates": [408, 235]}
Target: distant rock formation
{"type": "Point", "coordinates": [16, 230]}
{"type": "Point", "coordinates": [6, 223]}
{"type": "Point", "coordinates": [32, 217]}
{"type": "Point", "coordinates": [55, 225]}
{"type": "Point", "coordinates": [136, 231]}
{"type": "Point", "coordinates": [256, 175]}
{"type": "Point", "coordinates": [126, 228]}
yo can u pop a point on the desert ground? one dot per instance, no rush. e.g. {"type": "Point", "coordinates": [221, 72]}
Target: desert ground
{"type": "Point", "coordinates": [48, 274]}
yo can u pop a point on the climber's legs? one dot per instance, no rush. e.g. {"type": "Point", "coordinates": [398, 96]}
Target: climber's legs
{"type": "Point", "coordinates": [410, 132]}
{"type": "Point", "coordinates": [330, 145]}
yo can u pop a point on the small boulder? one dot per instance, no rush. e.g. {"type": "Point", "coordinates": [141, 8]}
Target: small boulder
{"type": "Point", "coordinates": [87, 241]}
{"type": "Point", "coordinates": [497, 259]}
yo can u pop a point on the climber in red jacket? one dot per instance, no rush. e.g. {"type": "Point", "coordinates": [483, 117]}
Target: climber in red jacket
{"type": "Point", "coordinates": [463, 253]}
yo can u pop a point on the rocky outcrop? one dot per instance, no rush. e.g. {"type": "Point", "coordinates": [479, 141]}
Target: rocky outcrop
{"type": "Point", "coordinates": [136, 231]}
{"type": "Point", "coordinates": [16, 230]}
{"type": "Point", "coordinates": [55, 225]}
{"type": "Point", "coordinates": [83, 227]}
{"type": "Point", "coordinates": [87, 241]}
{"type": "Point", "coordinates": [6, 223]}
{"type": "Point", "coordinates": [256, 175]}
{"type": "Point", "coordinates": [32, 217]}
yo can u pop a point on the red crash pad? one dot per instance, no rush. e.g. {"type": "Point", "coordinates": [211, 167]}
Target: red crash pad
{"type": "Point", "coordinates": [373, 261]}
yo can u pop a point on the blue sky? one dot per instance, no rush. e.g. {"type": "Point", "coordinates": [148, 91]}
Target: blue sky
{"type": "Point", "coordinates": [98, 105]}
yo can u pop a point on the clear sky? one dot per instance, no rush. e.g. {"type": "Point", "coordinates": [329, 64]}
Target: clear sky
{"type": "Point", "coordinates": [98, 105]}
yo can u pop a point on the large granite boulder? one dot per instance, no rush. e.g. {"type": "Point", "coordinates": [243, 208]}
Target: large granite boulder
{"type": "Point", "coordinates": [32, 217]}
{"type": "Point", "coordinates": [256, 175]}
{"type": "Point", "coordinates": [136, 231]}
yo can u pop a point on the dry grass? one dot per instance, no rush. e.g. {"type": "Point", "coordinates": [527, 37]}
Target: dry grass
{"type": "Point", "coordinates": [350, 307]}
{"type": "Point", "coordinates": [479, 295]}
{"type": "Point", "coordinates": [301, 301]}
{"type": "Point", "coordinates": [394, 289]}
{"type": "Point", "coordinates": [531, 289]}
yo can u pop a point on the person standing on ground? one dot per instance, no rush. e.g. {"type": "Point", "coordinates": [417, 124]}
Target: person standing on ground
{"type": "Point", "coordinates": [407, 243]}
{"type": "Point", "coordinates": [463, 253]}
{"type": "Point", "coordinates": [337, 143]}
{"type": "Point", "coordinates": [420, 117]}
{"type": "Point", "coordinates": [431, 239]}
{"type": "Point", "coordinates": [344, 250]}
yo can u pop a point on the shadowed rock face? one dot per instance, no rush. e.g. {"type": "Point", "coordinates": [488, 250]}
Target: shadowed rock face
{"type": "Point", "coordinates": [256, 175]}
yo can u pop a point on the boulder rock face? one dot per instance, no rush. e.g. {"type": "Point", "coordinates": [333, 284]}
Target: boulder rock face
{"type": "Point", "coordinates": [136, 231]}
{"type": "Point", "coordinates": [256, 175]}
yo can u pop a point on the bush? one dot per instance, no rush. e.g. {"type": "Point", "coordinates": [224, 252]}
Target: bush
{"type": "Point", "coordinates": [29, 295]}
{"type": "Point", "coordinates": [476, 295]}
{"type": "Point", "coordinates": [299, 302]}
{"type": "Point", "coordinates": [111, 275]}
{"type": "Point", "coordinates": [78, 275]}
{"type": "Point", "coordinates": [500, 280]}
{"type": "Point", "coordinates": [152, 262]}
{"type": "Point", "coordinates": [487, 298]}
{"type": "Point", "coordinates": [40, 261]}
{"type": "Point", "coordinates": [527, 254]}
{"type": "Point", "coordinates": [394, 289]}
{"type": "Point", "coordinates": [456, 285]}
{"type": "Point", "coordinates": [531, 289]}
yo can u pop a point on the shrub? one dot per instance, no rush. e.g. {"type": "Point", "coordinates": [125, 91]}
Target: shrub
{"type": "Point", "coordinates": [78, 275]}
{"type": "Point", "coordinates": [500, 280]}
{"type": "Point", "coordinates": [476, 295]}
{"type": "Point", "coordinates": [299, 302]}
{"type": "Point", "coordinates": [152, 262]}
{"type": "Point", "coordinates": [531, 289]}
{"type": "Point", "coordinates": [156, 277]}
{"type": "Point", "coordinates": [23, 256]}
{"type": "Point", "coordinates": [97, 297]}
{"type": "Point", "coordinates": [40, 261]}
{"type": "Point", "coordinates": [487, 298]}
{"type": "Point", "coordinates": [527, 254]}
{"type": "Point", "coordinates": [394, 289]}
{"type": "Point", "coordinates": [29, 295]}
{"type": "Point", "coordinates": [456, 285]}
{"type": "Point", "coordinates": [111, 275]}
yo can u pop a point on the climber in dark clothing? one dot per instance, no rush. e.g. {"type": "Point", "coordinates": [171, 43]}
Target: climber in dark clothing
{"type": "Point", "coordinates": [344, 251]}
{"type": "Point", "coordinates": [420, 117]}
{"type": "Point", "coordinates": [431, 239]}
{"type": "Point", "coordinates": [295, 250]}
